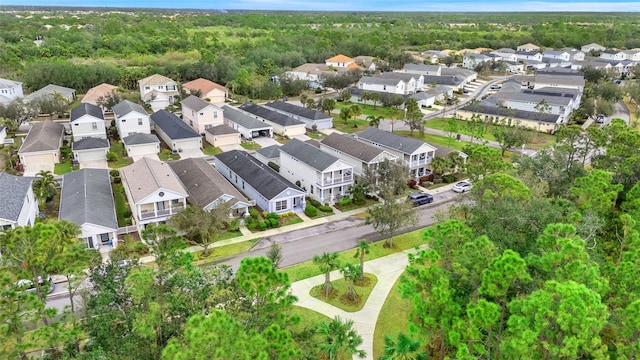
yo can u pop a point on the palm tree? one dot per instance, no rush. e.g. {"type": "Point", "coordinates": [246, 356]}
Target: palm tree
{"type": "Point", "coordinates": [365, 96]}
{"type": "Point", "coordinates": [340, 336]}
{"type": "Point", "coordinates": [351, 273]}
{"type": "Point", "coordinates": [310, 104]}
{"type": "Point", "coordinates": [303, 98]}
{"type": "Point", "coordinates": [355, 111]}
{"type": "Point", "coordinates": [345, 114]}
{"type": "Point", "coordinates": [361, 251]}
{"type": "Point", "coordinates": [439, 165]}
{"type": "Point", "coordinates": [44, 187]}
{"type": "Point", "coordinates": [327, 263]}
{"type": "Point", "coordinates": [375, 97]}
{"type": "Point", "coordinates": [402, 348]}
{"type": "Point", "coordinates": [374, 120]}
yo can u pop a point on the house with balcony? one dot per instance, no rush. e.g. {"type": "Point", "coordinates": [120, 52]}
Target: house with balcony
{"type": "Point", "coordinates": [131, 118]}
{"type": "Point", "coordinates": [270, 190]}
{"type": "Point", "coordinates": [282, 124]}
{"type": "Point", "coordinates": [158, 91]}
{"type": "Point", "coordinates": [9, 91]}
{"type": "Point", "coordinates": [153, 190]}
{"type": "Point", "coordinates": [416, 154]}
{"type": "Point", "coordinates": [309, 117]}
{"type": "Point", "coordinates": [322, 175]}
{"type": "Point", "coordinates": [361, 155]}
{"type": "Point", "coordinates": [200, 115]}
{"type": "Point", "coordinates": [19, 205]}
{"type": "Point", "coordinates": [86, 199]}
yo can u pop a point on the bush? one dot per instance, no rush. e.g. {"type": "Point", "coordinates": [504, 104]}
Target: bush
{"type": "Point", "coordinates": [253, 213]}
{"type": "Point", "coordinates": [344, 202]}
{"type": "Point", "coordinates": [274, 166]}
{"type": "Point", "coordinates": [234, 225]}
{"type": "Point", "coordinates": [315, 203]}
{"type": "Point", "coordinates": [274, 222]}
{"type": "Point", "coordinates": [117, 180]}
{"type": "Point", "coordinates": [251, 222]}
{"type": "Point", "coordinates": [272, 215]}
{"type": "Point", "coordinates": [448, 179]}
{"type": "Point", "coordinates": [326, 208]}
{"type": "Point", "coordinates": [310, 210]}
{"type": "Point", "coordinates": [290, 213]}
{"type": "Point", "coordinates": [114, 173]}
{"type": "Point", "coordinates": [412, 183]}
{"type": "Point", "coordinates": [127, 213]}
{"type": "Point", "coordinates": [262, 225]}
{"type": "Point", "coordinates": [426, 184]}
{"type": "Point", "coordinates": [111, 156]}
{"type": "Point", "coordinates": [298, 183]}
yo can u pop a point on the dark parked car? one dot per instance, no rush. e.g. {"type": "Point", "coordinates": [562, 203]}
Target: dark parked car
{"type": "Point", "coordinates": [420, 198]}
{"type": "Point", "coordinates": [600, 119]}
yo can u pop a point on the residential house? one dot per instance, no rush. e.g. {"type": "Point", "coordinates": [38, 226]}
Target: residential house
{"type": "Point", "coordinates": [340, 61]}
{"type": "Point", "coordinates": [3, 135]}
{"type": "Point", "coordinates": [246, 125]}
{"type": "Point", "coordinates": [566, 81]}
{"type": "Point", "coordinates": [367, 63]}
{"type": "Point", "coordinates": [454, 82]}
{"type": "Point", "coordinates": [471, 60]}
{"type": "Point", "coordinates": [560, 55]}
{"type": "Point", "coordinates": [383, 85]}
{"type": "Point", "coordinates": [90, 149]}
{"type": "Point", "coordinates": [618, 55]}
{"type": "Point", "coordinates": [222, 135]}
{"type": "Point", "coordinates": [312, 73]}
{"type": "Point", "coordinates": [153, 191]}
{"type": "Point", "coordinates": [592, 47]}
{"type": "Point", "coordinates": [271, 191]}
{"type": "Point", "coordinates": [158, 91]}
{"type": "Point", "coordinates": [268, 154]}
{"type": "Point", "coordinates": [52, 91]}
{"type": "Point", "coordinates": [633, 55]}
{"type": "Point", "coordinates": [40, 150]}
{"type": "Point", "coordinates": [87, 121]}
{"type": "Point", "coordinates": [433, 56]}
{"type": "Point", "coordinates": [361, 155]}
{"type": "Point", "coordinates": [309, 117]}
{"type": "Point", "coordinates": [558, 104]}
{"type": "Point", "coordinates": [414, 82]}
{"type": "Point", "coordinates": [86, 199]}
{"type": "Point", "coordinates": [514, 67]}
{"type": "Point", "coordinates": [96, 93]}
{"type": "Point", "coordinates": [529, 55]}
{"type": "Point", "coordinates": [209, 91]}
{"type": "Point", "coordinates": [575, 55]}
{"type": "Point", "coordinates": [416, 154]}
{"type": "Point", "coordinates": [504, 54]}
{"type": "Point", "coordinates": [207, 188]}
{"type": "Point", "coordinates": [201, 115]}
{"type": "Point", "coordinates": [323, 176]}
{"type": "Point", "coordinates": [490, 112]}
{"type": "Point", "coordinates": [467, 75]}
{"type": "Point", "coordinates": [19, 205]}
{"type": "Point", "coordinates": [131, 118]}
{"type": "Point", "coordinates": [528, 47]}
{"type": "Point", "coordinates": [283, 125]}
{"type": "Point", "coordinates": [421, 69]}
{"type": "Point", "coordinates": [174, 132]}
{"type": "Point", "coordinates": [140, 145]}
{"type": "Point", "coordinates": [9, 91]}
{"type": "Point", "coordinates": [425, 99]}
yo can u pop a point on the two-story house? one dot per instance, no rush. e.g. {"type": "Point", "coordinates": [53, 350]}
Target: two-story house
{"type": "Point", "coordinates": [309, 117]}
{"type": "Point", "coordinates": [557, 54]}
{"type": "Point", "coordinates": [565, 81]}
{"type": "Point", "coordinates": [158, 91]}
{"type": "Point", "coordinates": [19, 205]}
{"type": "Point", "coordinates": [131, 118]}
{"type": "Point", "coordinates": [209, 91]}
{"type": "Point", "coordinates": [201, 115]}
{"type": "Point", "coordinates": [9, 91]}
{"type": "Point", "coordinates": [270, 191]}
{"type": "Point", "coordinates": [413, 82]}
{"type": "Point", "coordinates": [153, 191]}
{"type": "Point", "coordinates": [385, 85]}
{"type": "Point", "coordinates": [90, 141]}
{"type": "Point", "coordinates": [86, 199]}
{"type": "Point", "coordinates": [363, 156]}
{"type": "Point", "coordinates": [323, 176]}
{"type": "Point", "coordinates": [618, 55]}
{"type": "Point", "coordinates": [281, 124]}
{"type": "Point", "coordinates": [528, 47]}
{"type": "Point", "coordinates": [52, 91]}
{"type": "Point", "coordinates": [340, 61]}
{"type": "Point", "coordinates": [416, 154]}
{"type": "Point", "coordinates": [529, 55]}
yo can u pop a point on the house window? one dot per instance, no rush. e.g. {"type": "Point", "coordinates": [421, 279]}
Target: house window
{"type": "Point", "coordinates": [208, 126]}
{"type": "Point", "coordinates": [147, 88]}
{"type": "Point", "coordinates": [201, 113]}
{"type": "Point", "coordinates": [311, 188]}
{"type": "Point", "coordinates": [215, 114]}
{"type": "Point", "coordinates": [243, 185]}
{"type": "Point", "coordinates": [281, 205]}
{"type": "Point", "coordinates": [123, 120]}
{"type": "Point", "coordinates": [140, 121]}
{"type": "Point", "coordinates": [191, 122]}
{"type": "Point", "coordinates": [94, 125]}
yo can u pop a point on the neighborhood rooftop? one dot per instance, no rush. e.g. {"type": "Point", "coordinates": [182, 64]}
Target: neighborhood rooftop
{"type": "Point", "coordinates": [50, 90]}
{"type": "Point", "coordinates": [351, 146]}
{"type": "Point", "coordinates": [124, 107]}
{"type": "Point", "coordinates": [90, 143]}
{"type": "Point", "coordinates": [14, 189]}
{"type": "Point", "coordinates": [86, 109]}
{"type": "Point", "coordinates": [172, 125]}
{"type": "Point", "coordinates": [145, 176]}
{"type": "Point", "coordinates": [221, 130]}
{"type": "Point", "coordinates": [194, 103]}
{"type": "Point", "coordinates": [400, 143]}
{"type": "Point", "coordinates": [140, 138]}
{"type": "Point", "coordinates": [270, 115]}
{"type": "Point", "coordinates": [309, 154]}
{"type": "Point", "coordinates": [297, 110]}
{"type": "Point", "coordinates": [87, 198]}
{"type": "Point", "coordinates": [43, 136]}
{"type": "Point", "coordinates": [243, 119]}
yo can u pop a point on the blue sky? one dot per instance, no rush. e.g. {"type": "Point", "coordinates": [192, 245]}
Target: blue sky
{"type": "Point", "coordinates": [354, 5]}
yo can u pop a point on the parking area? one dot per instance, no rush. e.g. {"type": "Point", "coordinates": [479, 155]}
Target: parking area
{"type": "Point", "coordinates": [191, 153]}
{"type": "Point", "coordinates": [94, 164]}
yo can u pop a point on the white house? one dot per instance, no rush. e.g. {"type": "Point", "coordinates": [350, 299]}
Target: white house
{"type": "Point", "coordinates": [563, 81]}
{"type": "Point", "coordinates": [323, 176]}
{"type": "Point", "coordinates": [560, 55]}
{"type": "Point", "coordinates": [421, 69]}
{"type": "Point", "coordinates": [9, 91]}
{"type": "Point", "coordinates": [361, 155]}
{"type": "Point", "coordinates": [248, 126]}
{"type": "Point", "coordinates": [153, 191]}
{"type": "Point", "coordinates": [3, 135]}
{"type": "Point", "coordinates": [618, 55]}
{"type": "Point", "coordinates": [282, 124]}
{"type": "Point", "coordinates": [90, 149]}
{"type": "Point", "coordinates": [529, 55]}
{"type": "Point", "coordinates": [270, 191]}
{"type": "Point", "coordinates": [40, 150]}
{"type": "Point", "coordinates": [174, 132]}
{"type": "Point", "coordinates": [366, 62]}
{"type": "Point", "coordinates": [158, 91]}
{"type": "Point", "coordinates": [209, 91]}
{"type": "Point", "coordinates": [86, 121]}
{"type": "Point", "coordinates": [139, 145]}
{"type": "Point", "coordinates": [52, 91]}
{"type": "Point", "coordinates": [86, 200]}
{"type": "Point", "coordinates": [309, 117]}
{"type": "Point", "coordinates": [633, 55]}
{"type": "Point", "coordinates": [385, 85]}
{"type": "Point", "coordinates": [416, 154]}
{"type": "Point", "coordinates": [339, 61]}
{"type": "Point", "coordinates": [528, 47]}
{"type": "Point", "coordinates": [131, 118]}
{"type": "Point", "coordinates": [471, 60]}
{"type": "Point", "coordinates": [201, 115]}
{"type": "Point", "coordinates": [592, 47]}
{"type": "Point", "coordinates": [19, 205]}
{"type": "Point", "coordinates": [413, 82]}
{"type": "Point", "coordinates": [310, 72]}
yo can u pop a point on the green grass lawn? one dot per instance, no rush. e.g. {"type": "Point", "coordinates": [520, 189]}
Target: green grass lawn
{"type": "Point", "coordinates": [315, 135]}
{"type": "Point", "coordinates": [339, 125]}
{"type": "Point", "coordinates": [376, 250]}
{"type": "Point", "coordinates": [441, 141]}
{"type": "Point", "coordinates": [64, 167]}
{"type": "Point", "coordinates": [215, 253]}
{"type": "Point", "coordinates": [339, 292]}
{"type": "Point", "coordinates": [209, 149]}
{"type": "Point", "coordinates": [379, 110]}
{"type": "Point", "coordinates": [393, 318]}
{"type": "Point", "coordinates": [120, 203]}
{"type": "Point", "coordinates": [250, 145]}
{"type": "Point", "coordinates": [117, 147]}
{"type": "Point", "coordinates": [166, 154]}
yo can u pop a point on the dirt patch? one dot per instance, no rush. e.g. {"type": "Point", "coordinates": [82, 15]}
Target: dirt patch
{"type": "Point", "coordinates": [346, 300]}
{"type": "Point", "coordinates": [332, 294]}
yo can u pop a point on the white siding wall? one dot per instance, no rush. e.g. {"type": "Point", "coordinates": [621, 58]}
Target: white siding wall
{"type": "Point", "coordinates": [130, 124]}
{"type": "Point", "coordinates": [83, 127]}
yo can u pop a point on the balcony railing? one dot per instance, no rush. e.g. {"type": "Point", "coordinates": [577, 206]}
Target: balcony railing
{"type": "Point", "coordinates": [158, 213]}
{"type": "Point", "coordinates": [335, 181]}
{"type": "Point", "coordinates": [419, 162]}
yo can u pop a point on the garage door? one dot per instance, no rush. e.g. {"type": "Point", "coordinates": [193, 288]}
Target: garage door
{"type": "Point", "coordinates": [141, 150]}
{"type": "Point", "coordinates": [188, 144]}
{"type": "Point", "coordinates": [39, 159]}
{"type": "Point", "coordinates": [91, 155]}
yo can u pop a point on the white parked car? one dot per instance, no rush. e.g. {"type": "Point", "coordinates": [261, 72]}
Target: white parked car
{"type": "Point", "coordinates": [28, 285]}
{"type": "Point", "coordinates": [462, 187]}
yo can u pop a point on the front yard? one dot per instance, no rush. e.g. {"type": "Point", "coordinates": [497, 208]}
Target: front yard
{"type": "Point", "coordinates": [64, 167]}
{"type": "Point", "coordinates": [122, 160]}
{"type": "Point", "coordinates": [209, 149]}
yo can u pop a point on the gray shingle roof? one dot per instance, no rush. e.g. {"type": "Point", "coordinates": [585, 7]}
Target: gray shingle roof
{"type": "Point", "coordinates": [379, 81]}
{"type": "Point", "coordinates": [309, 154]}
{"type": "Point", "coordinates": [50, 90]}
{"type": "Point", "coordinates": [204, 183]}
{"type": "Point", "coordinates": [14, 190]}
{"type": "Point", "coordinates": [242, 119]}
{"type": "Point", "coordinates": [270, 152]}
{"type": "Point", "coordinates": [146, 176]}
{"type": "Point", "coordinates": [89, 144]}
{"type": "Point", "coordinates": [139, 139]}
{"type": "Point", "coordinates": [43, 136]}
{"type": "Point", "coordinates": [406, 77]}
{"type": "Point", "coordinates": [194, 103]}
{"type": "Point", "coordinates": [532, 97]}
{"type": "Point", "coordinates": [270, 115]}
{"type": "Point", "coordinates": [576, 80]}
{"type": "Point", "coordinates": [402, 144]}
{"type": "Point", "coordinates": [258, 175]}
{"type": "Point", "coordinates": [173, 126]}
{"type": "Point", "coordinates": [86, 109]}
{"type": "Point", "coordinates": [351, 146]}
{"type": "Point", "coordinates": [297, 110]}
{"type": "Point", "coordinates": [87, 198]}
{"type": "Point", "coordinates": [444, 80]}
{"type": "Point", "coordinates": [487, 108]}
{"type": "Point", "coordinates": [221, 130]}
{"type": "Point", "coordinates": [124, 107]}
{"type": "Point", "coordinates": [420, 67]}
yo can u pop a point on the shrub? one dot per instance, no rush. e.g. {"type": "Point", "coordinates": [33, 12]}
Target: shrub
{"type": "Point", "coordinates": [272, 215]}
{"type": "Point", "coordinates": [426, 184]}
{"type": "Point", "coordinates": [251, 222]}
{"type": "Point", "coordinates": [127, 213]}
{"type": "Point", "coordinates": [262, 225]}
{"type": "Point", "coordinates": [253, 213]}
{"type": "Point", "coordinates": [298, 183]}
{"type": "Point", "coordinates": [274, 222]}
{"type": "Point", "coordinates": [326, 208]}
{"type": "Point", "coordinates": [274, 166]}
{"type": "Point", "coordinates": [315, 203]}
{"type": "Point", "coordinates": [290, 213]}
{"type": "Point", "coordinates": [111, 156]}
{"type": "Point", "coordinates": [114, 173]}
{"type": "Point", "coordinates": [344, 202]}
{"type": "Point", "coordinates": [448, 179]}
{"type": "Point", "coordinates": [117, 180]}
{"type": "Point", "coordinates": [234, 225]}
{"type": "Point", "coordinates": [412, 183]}
{"type": "Point", "coordinates": [310, 210]}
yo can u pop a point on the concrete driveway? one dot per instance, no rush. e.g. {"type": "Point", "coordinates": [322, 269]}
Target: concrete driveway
{"type": "Point", "coordinates": [96, 164]}
{"type": "Point", "coordinates": [266, 141]}
{"type": "Point", "coordinates": [226, 148]}
{"type": "Point", "coordinates": [33, 169]}
{"type": "Point", "coordinates": [191, 153]}
{"type": "Point", "coordinates": [150, 156]}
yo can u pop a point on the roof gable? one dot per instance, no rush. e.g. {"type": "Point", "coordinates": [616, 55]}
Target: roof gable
{"type": "Point", "coordinates": [297, 110]}
{"type": "Point", "coordinates": [195, 103]}
{"type": "Point", "coordinates": [140, 139]}
{"type": "Point", "coordinates": [352, 147]}
{"type": "Point", "coordinates": [87, 198]}
{"type": "Point", "coordinates": [203, 85]}
{"type": "Point", "coordinates": [147, 176]}
{"type": "Point", "coordinates": [309, 154]}
{"type": "Point", "coordinates": [86, 109]}
{"type": "Point", "coordinates": [97, 92]}
{"type": "Point", "coordinates": [172, 126]}
{"type": "Point", "coordinates": [339, 58]}
{"type": "Point", "coordinates": [124, 107]}
{"type": "Point", "coordinates": [156, 79]}
{"type": "Point", "coordinates": [14, 190]}
{"type": "Point", "coordinates": [90, 144]}
{"type": "Point", "coordinates": [43, 136]}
